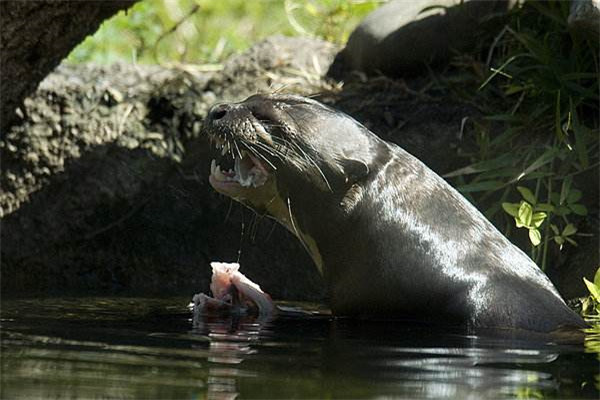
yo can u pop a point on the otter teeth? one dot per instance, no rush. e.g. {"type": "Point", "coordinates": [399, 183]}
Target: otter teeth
{"type": "Point", "coordinates": [243, 175]}
{"type": "Point", "coordinates": [225, 149]}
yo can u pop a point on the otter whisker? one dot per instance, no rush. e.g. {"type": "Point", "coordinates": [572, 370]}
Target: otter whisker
{"type": "Point", "coordinates": [266, 148]}
{"type": "Point", "coordinates": [272, 151]}
{"type": "Point", "coordinates": [308, 158]}
{"type": "Point", "coordinates": [300, 238]}
{"type": "Point", "coordinates": [292, 221]}
{"type": "Point", "coordinates": [254, 226]}
{"type": "Point", "coordinates": [256, 153]}
{"type": "Point", "coordinates": [237, 148]}
{"type": "Point", "coordinates": [313, 162]}
{"type": "Point", "coordinates": [239, 255]}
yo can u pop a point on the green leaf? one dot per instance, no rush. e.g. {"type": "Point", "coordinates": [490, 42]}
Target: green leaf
{"type": "Point", "coordinates": [538, 218]}
{"type": "Point", "coordinates": [499, 69]}
{"type": "Point", "coordinates": [574, 243]}
{"type": "Point", "coordinates": [535, 236]}
{"type": "Point", "coordinates": [557, 123]}
{"type": "Point", "coordinates": [569, 230]}
{"type": "Point", "coordinates": [525, 213]}
{"type": "Point", "coordinates": [578, 209]}
{"type": "Point", "coordinates": [573, 196]}
{"type": "Point", "coordinates": [555, 198]}
{"type": "Point", "coordinates": [580, 140]}
{"type": "Point", "coordinates": [503, 117]}
{"type": "Point", "coordinates": [542, 160]}
{"type": "Point", "coordinates": [597, 278]}
{"type": "Point", "coordinates": [562, 211]}
{"type": "Point", "coordinates": [554, 229]}
{"type": "Point", "coordinates": [527, 194]}
{"type": "Point", "coordinates": [512, 89]}
{"type": "Point", "coordinates": [480, 186]}
{"type": "Point", "coordinates": [544, 207]}
{"type": "Point", "coordinates": [579, 75]}
{"type": "Point", "coordinates": [487, 165]}
{"type": "Point", "coordinates": [559, 240]}
{"type": "Point", "coordinates": [511, 209]}
{"type": "Point", "coordinates": [565, 188]}
{"type": "Point", "coordinates": [594, 289]}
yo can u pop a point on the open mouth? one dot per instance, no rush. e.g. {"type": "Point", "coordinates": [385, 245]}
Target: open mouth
{"type": "Point", "coordinates": [244, 171]}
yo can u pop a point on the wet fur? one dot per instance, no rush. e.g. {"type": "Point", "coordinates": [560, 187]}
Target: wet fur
{"type": "Point", "coordinates": [394, 239]}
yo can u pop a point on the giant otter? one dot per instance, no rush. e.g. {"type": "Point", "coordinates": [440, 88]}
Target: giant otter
{"type": "Point", "coordinates": [391, 237]}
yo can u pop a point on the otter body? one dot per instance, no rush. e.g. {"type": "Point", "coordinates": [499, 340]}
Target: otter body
{"type": "Point", "coordinates": [391, 237]}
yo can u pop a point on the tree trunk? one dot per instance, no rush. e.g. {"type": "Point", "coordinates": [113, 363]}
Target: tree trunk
{"type": "Point", "coordinates": [36, 36]}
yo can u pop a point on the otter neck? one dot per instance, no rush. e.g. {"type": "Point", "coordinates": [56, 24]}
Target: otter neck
{"type": "Point", "coordinates": [319, 228]}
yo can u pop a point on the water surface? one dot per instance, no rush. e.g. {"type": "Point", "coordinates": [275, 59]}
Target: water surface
{"type": "Point", "coordinates": [149, 348]}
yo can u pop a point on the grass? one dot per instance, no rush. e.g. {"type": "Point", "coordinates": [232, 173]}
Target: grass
{"type": "Point", "coordinates": [208, 31]}
{"type": "Point", "coordinates": [536, 85]}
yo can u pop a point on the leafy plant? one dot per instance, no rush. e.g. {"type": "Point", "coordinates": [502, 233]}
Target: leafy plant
{"type": "Point", "coordinates": [539, 131]}
{"type": "Point", "coordinates": [529, 214]}
{"type": "Point", "coordinates": [591, 304]}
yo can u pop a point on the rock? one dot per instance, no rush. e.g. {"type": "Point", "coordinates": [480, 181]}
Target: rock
{"type": "Point", "coordinates": [399, 39]}
{"type": "Point", "coordinates": [584, 15]}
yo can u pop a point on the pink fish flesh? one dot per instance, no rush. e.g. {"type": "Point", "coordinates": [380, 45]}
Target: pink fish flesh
{"type": "Point", "coordinates": [233, 292]}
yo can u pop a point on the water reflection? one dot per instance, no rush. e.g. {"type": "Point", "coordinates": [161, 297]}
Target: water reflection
{"type": "Point", "coordinates": [231, 341]}
{"type": "Point", "coordinates": [161, 352]}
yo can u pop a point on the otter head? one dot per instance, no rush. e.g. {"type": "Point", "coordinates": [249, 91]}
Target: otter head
{"type": "Point", "coordinates": [283, 148]}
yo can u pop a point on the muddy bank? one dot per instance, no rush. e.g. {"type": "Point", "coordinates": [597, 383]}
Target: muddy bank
{"type": "Point", "coordinates": [104, 179]}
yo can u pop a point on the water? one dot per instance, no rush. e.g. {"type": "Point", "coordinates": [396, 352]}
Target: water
{"type": "Point", "coordinates": [148, 348]}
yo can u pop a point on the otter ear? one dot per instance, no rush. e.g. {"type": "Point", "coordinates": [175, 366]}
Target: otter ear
{"type": "Point", "coordinates": [353, 170]}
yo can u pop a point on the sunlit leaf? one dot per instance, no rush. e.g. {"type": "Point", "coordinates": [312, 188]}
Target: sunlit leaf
{"type": "Point", "coordinates": [535, 236]}
{"type": "Point", "coordinates": [593, 288]}
{"type": "Point", "coordinates": [597, 277]}
{"type": "Point", "coordinates": [525, 213]}
{"type": "Point", "coordinates": [538, 218]}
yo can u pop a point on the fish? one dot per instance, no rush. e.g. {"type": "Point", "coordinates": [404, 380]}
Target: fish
{"type": "Point", "coordinates": [233, 293]}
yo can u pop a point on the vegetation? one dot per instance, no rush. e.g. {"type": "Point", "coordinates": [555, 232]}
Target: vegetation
{"type": "Point", "coordinates": [208, 31]}
{"type": "Point", "coordinates": [539, 130]}
{"type": "Point", "coordinates": [591, 304]}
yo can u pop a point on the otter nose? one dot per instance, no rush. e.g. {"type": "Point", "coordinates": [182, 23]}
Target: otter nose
{"type": "Point", "coordinates": [218, 111]}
